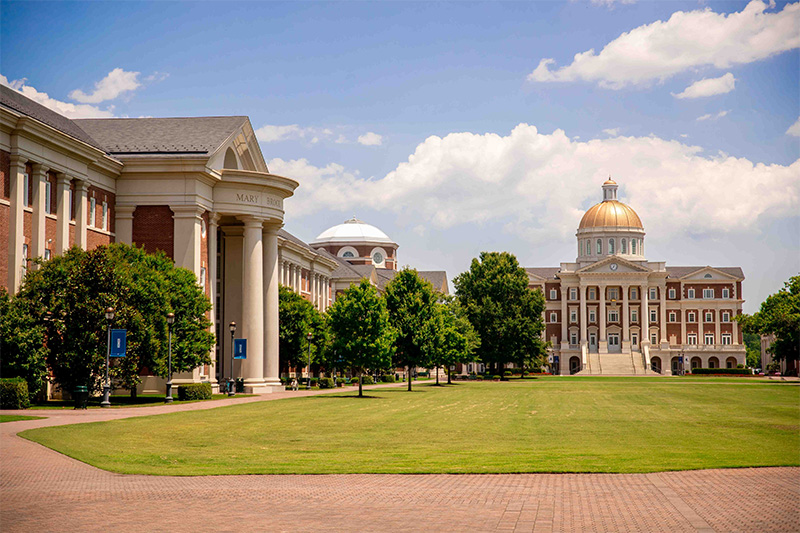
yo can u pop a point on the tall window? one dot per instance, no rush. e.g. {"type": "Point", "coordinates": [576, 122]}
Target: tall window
{"type": "Point", "coordinates": [726, 316]}
{"type": "Point", "coordinates": [633, 246]}
{"type": "Point", "coordinates": [709, 317]}
{"type": "Point", "coordinates": [691, 338]}
{"type": "Point", "coordinates": [653, 315]}
{"type": "Point", "coordinates": [653, 293]}
{"type": "Point", "coordinates": [71, 204]}
{"type": "Point", "coordinates": [573, 338]}
{"type": "Point", "coordinates": [599, 246]}
{"type": "Point", "coordinates": [573, 316]}
{"type": "Point", "coordinates": [691, 317]}
{"type": "Point", "coordinates": [726, 293]}
{"type": "Point", "coordinates": [654, 338]}
{"type": "Point", "coordinates": [92, 209]}
{"type": "Point", "coordinates": [612, 294]}
{"type": "Point", "coordinates": [672, 294]}
{"type": "Point", "coordinates": [726, 338]}
{"type": "Point", "coordinates": [105, 215]}
{"type": "Point", "coordinates": [553, 294]}
{"type": "Point", "coordinates": [611, 246]}
{"type": "Point", "coordinates": [690, 294]}
{"type": "Point", "coordinates": [624, 246]}
{"type": "Point", "coordinates": [592, 294]}
{"type": "Point", "coordinates": [573, 293]}
{"type": "Point", "coordinates": [48, 197]}
{"type": "Point", "coordinates": [553, 317]}
{"type": "Point", "coordinates": [613, 315]}
{"type": "Point", "coordinates": [708, 338]}
{"type": "Point", "coordinates": [46, 254]}
{"type": "Point", "coordinates": [592, 316]}
{"type": "Point", "coordinates": [202, 276]}
{"type": "Point", "coordinates": [634, 292]}
{"type": "Point", "coordinates": [672, 316]}
{"type": "Point", "coordinates": [26, 189]}
{"type": "Point", "coordinates": [634, 315]}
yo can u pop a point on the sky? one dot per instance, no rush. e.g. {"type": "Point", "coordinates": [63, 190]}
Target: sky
{"type": "Point", "coordinates": [461, 127]}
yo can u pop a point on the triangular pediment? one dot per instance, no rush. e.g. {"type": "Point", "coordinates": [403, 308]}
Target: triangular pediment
{"type": "Point", "coordinates": [613, 265]}
{"type": "Point", "coordinates": [708, 273]}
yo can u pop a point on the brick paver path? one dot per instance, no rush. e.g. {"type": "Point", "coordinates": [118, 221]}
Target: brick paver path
{"type": "Point", "coordinates": [41, 490]}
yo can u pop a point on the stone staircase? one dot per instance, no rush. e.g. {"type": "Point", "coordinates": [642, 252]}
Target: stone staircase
{"type": "Point", "coordinates": [615, 364]}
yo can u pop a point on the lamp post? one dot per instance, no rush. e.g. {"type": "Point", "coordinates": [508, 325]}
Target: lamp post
{"type": "Point", "coordinates": [231, 384]}
{"type": "Point", "coordinates": [170, 321]}
{"type": "Point", "coordinates": [107, 384]}
{"type": "Point", "coordinates": [309, 337]}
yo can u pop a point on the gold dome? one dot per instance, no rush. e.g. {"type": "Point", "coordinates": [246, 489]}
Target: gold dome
{"type": "Point", "coordinates": [610, 213]}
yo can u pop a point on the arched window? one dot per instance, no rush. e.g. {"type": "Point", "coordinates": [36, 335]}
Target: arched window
{"type": "Point", "coordinates": [230, 159]}
{"type": "Point", "coordinates": [633, 246]}
{"type": "Point", "coordinates": [599, 246]}
{"type": "Point", "coordinates": [611, 247]}
{"type": "Point", "coordinates": [348, 254]}
{"type": "Point", "coordinates": [624, 246]}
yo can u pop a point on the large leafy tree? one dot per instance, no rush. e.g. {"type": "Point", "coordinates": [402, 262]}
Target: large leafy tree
{"type": "Point", "coordinates": [779, 315]}
{"type": "Point", "coordinates": [22, 343]}
{"type": "Point", "coordinates": [504, 311]}
{"type": "Point", "coordinates": [298, 318]}
{"type": "Point", "coordinates": [363, 336]}
{"type": "Point", "coordinates": [411, 302]}
{"type": "Point", "coordinates": [68, 295]}
{"type": "Point", "coordinates": [456, 339]}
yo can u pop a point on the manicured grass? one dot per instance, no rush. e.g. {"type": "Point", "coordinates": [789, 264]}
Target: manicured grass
{"type": "Point", "coordinates": [142, 400]}
{"type": "Point", "coordinates": [14, 418]}
{"type": "Point", "coordinates": [531, 425]}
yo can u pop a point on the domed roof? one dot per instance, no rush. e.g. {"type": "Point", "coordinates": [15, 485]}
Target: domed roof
{"type": "Point", "coordinates": [351, 231]}
{"type": "Point", "coordinates": [610, 213]}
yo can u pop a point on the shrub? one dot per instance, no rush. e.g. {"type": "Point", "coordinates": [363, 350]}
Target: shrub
{"type": "Point", "coordinates": [367, 380]}
{"type": "Point", "coordinates": [739, 366]}
{"type": "Point", "coordinates": [496, 377]}
{"type": "Point", "coordinates": [387, 378]}
{"type": "Point", "coordinates": [423, 374]}
{"type": "Point", "coordinates": [195, 391]}
{"type": "Point", "coordinates": [479, 378]}
{"type": "Point", "coordinates": [507, 373]}
{"type": "Point", "coordinates": [728, 371]}
{"type": "Point", "coordinates": [326, 383]}
{"type": "Point", "coordinates": [14, 394]}
{"type": "Point", "coordinates": [314, 382]}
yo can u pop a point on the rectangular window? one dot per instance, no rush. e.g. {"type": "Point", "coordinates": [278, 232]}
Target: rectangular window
{"type": "Point", "coordinates": [202, 276]}
{"type": "Point", "coordinates": [690, 294]}
{"type": "Point", "coordinates": [726, 338]}
{"type": "Point", "coordinates": [46, 254]}
{"type": "Point", "coordinates": [612, 294]}
{"type": "Point", "coordinates": [672, 316]}
{"type": "Point", "coordinates": [553, 317]}
{"type": "Point", "coordinates": [634, 315]}
{"type": "Point", "coordinates": [573, 316]}
{"type": "Point", "coordinates": [672, 294]}
{"type": "Point", "coordinates": [599, 247]}
{"type": "Point", "coordinates": [613, 315]}
{"type": "Point", "coordinates": [708, 294]}
{"type": "Point", "coordinates": [726, 316]}
{"type": "Point", "coordinates": [726, 293]}
{"type": "Point", "coordinates": [105, 216]}
{"type": "Point", "coordinates": [573, 338]}
{"type": "Point", "coordinates": [592, 295]}
{"type": "Point", "coordinates": [48, 197]}
{"type": "Point", "coordinates": [592, 316]}
{"type": "Point", "coordinates": [653, 293]}
{"type": "Point", "coordinates": [691, 317]}
{"type": "Point", "coordinates": [709, 317]}
{"type": "Point", "coordinates": [71, 204]}
{"type": "Point", "coordinates": [553, 294]}
{"type": "Point", "coordinates": [573, 293]}
{"type": "Point", "coordinates": [653, 315]}
{"type": "Point", "coordinates": [708, 338]}
{"type": "Point", "coordinates": [92, 209]}
{"type": "Point", "coordinates": [654, 338]}
{"type": "Point", "coordinates": [634, 337]}
{"type": "Point", "coordinates": [691, 338]}
{"type": "Point", "coordinates": [634, 293]}
{"type": "Point", "coordinates": [26, 190]}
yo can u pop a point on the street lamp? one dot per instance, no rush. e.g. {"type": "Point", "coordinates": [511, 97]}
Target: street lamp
{"type": "Point", "coordinates": [309, 337]}
{"type": "Point", "coordinates": [170, 321]}
{"type": "Point", "coordinates": [231, 386]}
{"type": "Point", "coordinates": [107, 385]}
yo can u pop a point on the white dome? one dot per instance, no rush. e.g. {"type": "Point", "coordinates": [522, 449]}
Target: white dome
{"type": "Point", "coordinates": [352, 231]}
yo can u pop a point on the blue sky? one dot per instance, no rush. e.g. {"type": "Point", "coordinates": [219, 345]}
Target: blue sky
{"type": "Point", "coordinates": [713, 175]}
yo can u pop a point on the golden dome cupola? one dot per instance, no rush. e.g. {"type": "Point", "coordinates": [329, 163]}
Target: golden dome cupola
{"type": "Point", "coordinates": [610, 228]}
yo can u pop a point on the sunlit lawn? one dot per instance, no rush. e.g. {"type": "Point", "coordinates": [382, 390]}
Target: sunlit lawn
{"type": "Point", "coordinates": [15, 418]}
{"type": "Point", "coordinates": [532, 425]}
{"type": "Point", "coordinates": [142, 400]}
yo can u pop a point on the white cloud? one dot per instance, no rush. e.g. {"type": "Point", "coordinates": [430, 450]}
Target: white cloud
{"type": "Point", "coordinates": [612, 131]}
{"type": "Point", "coordinates": [370, 139]}
{"type": "Point", "coordinates": [709, 116]}
{"type": "Point", "coordinates": [688, 40]}
{"type": "Point", "coordinates": [113, 85]}
{"type": "Point", "coordinates": [611, 3]}
{"type": "Point", "coordinates": [684, 135]}
{"type": "Point", "coordinates": [538, 185]}
{"type": "Point", "coordinates": [270, 133]}
{"type": "Point", "coordinates": [709, 87]}
{"type": "Point", "coordinates": [64, 108]}
{"type": "Point", "coordinates": [794, 129]}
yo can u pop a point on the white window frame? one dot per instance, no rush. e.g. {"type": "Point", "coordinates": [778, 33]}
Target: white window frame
{"type": "Point", "coordinates": [592, 294]}
{"type": "Point", "coordinates": [613, 315]}
{"type": "Point", "coordinates": [47, 254]}
{"type": "Point", "coordinates": [691, 317]}
{"type": "Point", "coordinates": [671, 293]}
{"type": "Point", "coordinates": [105, 216]}
{"type": "Point", "coordinates": [633, 246]}
{"type": "Point", "coordinates": [726, 293]}
{"type": "Point", "coordinates": [690, 294]}
{"type": "Point", "coordinates": [48, 197]}
{"type": "Point", "coordinates": [92, 209]}
{"type": "Point", "coordinates": [612, 293]}
{"type": "Point", "coordinates": [672, 316]}
{"type": "Point", "coordinates": [654, 338]}
{"type": "Point", "coordinates": [573, 316]}
{"type": "Point", "coordinates": [72, 204]}
{"type": "Point", "coordinates": [653, 315]}
{"type": "Point", "coordinates": [708, 317]}
{"type": "Point", "coordinates": [573, 337]}
{"type": "Point", "coordinates": [599, 246]}
{"type": "Point", "coordinates": [612, 247]}
{"type": "Point", "coordinates": [553, 317]}
{"type": "Point", "coordinates": [726, 316]}
{"type": "Point", "coordinates": [635, 315]}
{"type": "Point", "coordinates": [691, 338]}
{"type": "Point", "coordinates": [634, 293]}
{"type": "Point", "coordinates": [202, 276]}
{"type": "Point", "coordinates": [553, 294]}
{"type": "Point", "coordinates": [573, 293]}
{"type": "Point", "coordinates": [707, 337]}
{"type": "Point", "coordinates": [653, 293]}
{"type": "Point", "coordinates": [624, 246]}
{"type": "Point", "coordinates": [634, 339]}
{"type": "Point", "coordinates": [26, 188]}
{"type": "Point", "coordinates": [726, 338]}
{"type": "Point", "coordinates": [708, 294]}
{"type": "Point", "coordinates": [592, 316]}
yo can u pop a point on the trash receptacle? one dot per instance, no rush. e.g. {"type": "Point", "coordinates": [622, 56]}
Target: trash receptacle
{"type": "Point", "coordinates": [81, 396]}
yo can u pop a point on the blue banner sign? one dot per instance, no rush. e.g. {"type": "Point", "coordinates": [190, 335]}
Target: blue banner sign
{"type": "Point", "coordinates": [118, 343]}
{"type": "Point", "coordinates": [240, 348]}
{"type": "Point", "coordinates": [555, 359]}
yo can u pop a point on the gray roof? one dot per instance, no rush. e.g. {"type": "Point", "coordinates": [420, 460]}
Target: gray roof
{"type": "Point", "coordinates": [152, 136]}
{"type": "Point", "coordinates": [681, 271]}
{"type": "Point", "coordinates": [25, 106]}
{"type": "Point", "coordinates": [289, 237]}
{"type": "Point", "coordinates": [345, 270]}
{"type": "Point", "coordinates": [544, 272]}
{"type": "Point", "coordinates": [437, 278]}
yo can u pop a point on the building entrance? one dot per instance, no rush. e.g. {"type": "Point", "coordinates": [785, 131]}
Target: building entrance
{"type": "Point", "coordinates": [613, 343]}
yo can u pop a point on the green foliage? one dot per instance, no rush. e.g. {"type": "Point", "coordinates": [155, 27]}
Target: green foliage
{"type": "Point", "coordinates": [64, 303]}
{"type": "Point", "coordinates": [387, 378]}
{"type": "Point", "coordinates": [362, 335]}
{"type": "Point", "coordinates": [728, 371]}
{"type": "Point", "coordinates": [779, 315]}
{"type": "Point", "coordinates": [14, 393]}
{"type": "Point", "coordinates": [423, 374]}
{"type": "Point", "coordinates": [752, 344]}
{"type": "Point", "coordinates": [22, 342]}
{"type": "Point", "coordinates": [496, 377]}
{"type": "Point", "coordinates": [507, 373]}
{"type": "Point", "coordinates": [456, 339]}
{"type": "Point", "coordinates": [194, 391]}
{"type": "Point", "coordinates": [506, 314]}
{"type": "Point", "coordinates": [326, 383]}
{"type": "Point", "coordinates": [367, 380]}
{"type": "Point", "coordinates": [298, 317]}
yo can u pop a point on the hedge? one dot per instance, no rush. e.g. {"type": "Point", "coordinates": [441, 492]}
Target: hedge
{"type": "Point", "coordinates": [387, 378]}
{"type": "Point", "coordinates": [14, 394]}
{"type": "Point", "coordinates": [423, 374]}
{"type": "Point", "coordinates": [737, 371]}
{"type": "Point", "coordinates": [194, 391]}
{"type": "Point", "coordinates": [326, 383]}
{"type": "Point", "coordinates": [367, 380]}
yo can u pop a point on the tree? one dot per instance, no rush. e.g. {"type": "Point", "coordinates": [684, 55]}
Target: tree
{"type": "Point", "coordinates": [411, 302]}
{"type": "Point", "coordinates": [779, 315]}
{"type": "Point", "coordinates": [67, 296]}
{"type": "Point", "coordinates": [298, 317]}
{"type": "Point", "coordinates": [752, 343]}
{"type": "Point", "coordinates": [22, 343]}
{"type": "Point", "coordinates": [362, 334]}
{"type": "Point", "coordinates": [506, 314]}
{"type": "Point", "coordinates": [456, 340]}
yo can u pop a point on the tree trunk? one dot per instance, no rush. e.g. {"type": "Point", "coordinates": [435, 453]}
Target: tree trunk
{"type": "Point", "coordinates": [449, 372]}
{"type": "Point", "coordinates": [360, 391]}
{"type": "Point", "coordinates": [437, 375]}
{"type": "Point", "coordinates": [133, 392]}
{"type": "Point", "coordinates": [409, 378]}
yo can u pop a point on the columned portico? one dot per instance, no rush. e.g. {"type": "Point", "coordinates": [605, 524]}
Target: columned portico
{"type": "Point", "coordinates": [253, 304]}
{"type": "Point", "coordinates": [603, 346]}
{"type": "Point", "coordinates": [39, 183]}
{"type": "Point", "coordinates": [62, 212]}
{"type": "Point", "coordinates": [15, 230]}
{"type": "Point", "coordinates": [271, 324]}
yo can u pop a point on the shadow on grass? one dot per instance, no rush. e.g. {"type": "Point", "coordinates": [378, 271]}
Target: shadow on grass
{"type": "Point", "coordinates": [346, 396]}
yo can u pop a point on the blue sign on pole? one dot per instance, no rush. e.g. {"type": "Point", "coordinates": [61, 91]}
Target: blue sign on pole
{"type": "Point", "coordinates": [555, 359]}
{"type": "Point", "coordinates": [240, 348]}
{"type": "Point", "coordinates": [118, 343]}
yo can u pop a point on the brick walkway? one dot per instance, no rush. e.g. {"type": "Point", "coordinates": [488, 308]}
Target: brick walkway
{"type": "Point", "coordinates": [41, 490]}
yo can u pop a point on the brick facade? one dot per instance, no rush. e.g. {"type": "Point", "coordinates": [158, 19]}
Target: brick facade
{"type": "Point", "coordinates": [154, 228]}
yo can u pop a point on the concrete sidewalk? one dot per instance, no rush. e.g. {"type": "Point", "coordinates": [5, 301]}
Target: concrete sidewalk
{"type": "Point", "coordinates": [42, 490]}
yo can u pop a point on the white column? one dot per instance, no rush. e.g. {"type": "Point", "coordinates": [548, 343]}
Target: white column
{"type": "Point", "coordinates": [717, 334]}
{"type": "Point", "coordinates": [682, 315]}
{"type": "Point", "coordinates": [124, 223]}
{"type": "Point", "coordinates": [39, 182]}
{"type": "Point", "coordinates": [213, 220]}
{"type": "Point", "coordinates": [564, 317]}
{"type": "Point", "coordinates": [312, 287]}
{"type": "Point", "coordinates": [663, 315]}
{"type": "Point", "coordinates": [271, 331]}
{"type": "Point", "coordinates": [16, 233]}
{"type": "Point", "coordinates": [603, 343]}
{"type": "Point", "coordinates": [734, 328]}
{"type": "Point", "coordinates": [81, 213]}
{"type": "Point", "coordinates": [187, 239]}
{"type": "Point", "coordinates": [626, 324]}
{"type": "Point", "coordinates": [253, 305]}
{"type": "Point", "coordinates": [582, 291]}
{"type": "Point", "coordinates": [62, 211]}
{"type": "Point", "coordinates": [325, 293]}
{"type": "Point", "coordinates": [645, 315]}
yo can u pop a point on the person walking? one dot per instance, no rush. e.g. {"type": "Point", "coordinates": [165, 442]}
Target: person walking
{"type": "Point", "coordinates": [294, 384]}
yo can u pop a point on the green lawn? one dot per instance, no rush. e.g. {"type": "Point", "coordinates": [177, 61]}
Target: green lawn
{"type": "Point", "coordinates": [14, 418]}
{"type": "Point", "coordinates": [142, 400]}
{"type": "Point", "coordinates": [532, 425]}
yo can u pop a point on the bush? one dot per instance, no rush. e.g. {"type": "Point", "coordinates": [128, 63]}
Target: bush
{"type": "Point", "coordinates": [195, 391]}
{"type": "Point", "coordinates": [14, 394]}
{"type": "Point", "coordinates": [728, 371]}
{"type": "Point", "coordinates": [496, 377]}
{"type": "Point", "coordinates": [368, 380]}
{"type": "Point", "coordinates": [239, 384]}
{"type": "Point", "coordinates": [740, 366]}
{"type": "Point", "coordinates": [424, 374]}
{"type": "Point", "coordinates": [387, 378]}
{"type": "Point", "coordinates": [326, 383]}
{"type": "Point", "coordinates": [479, 378]}
{"type": "Point", "coordinates": [507, 373]}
